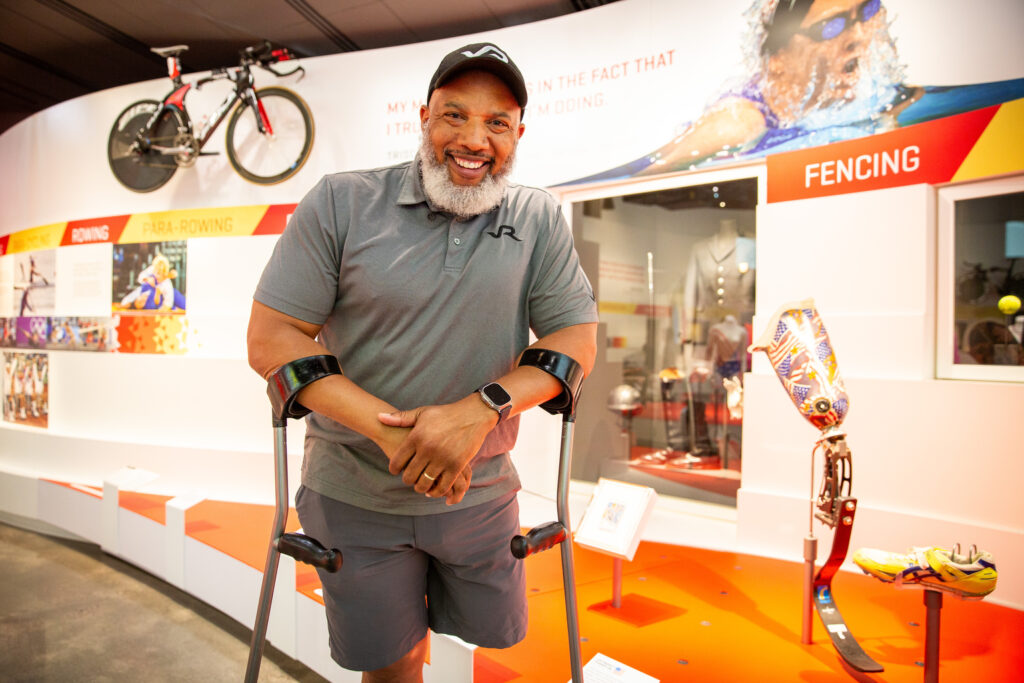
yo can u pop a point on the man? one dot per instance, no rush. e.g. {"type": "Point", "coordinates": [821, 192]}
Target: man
{"type": "Point", "coordinates": [424, 279]}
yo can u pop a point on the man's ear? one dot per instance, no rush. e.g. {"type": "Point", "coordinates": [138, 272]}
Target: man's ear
{"type": "Point", "coordinates": [424, 115]}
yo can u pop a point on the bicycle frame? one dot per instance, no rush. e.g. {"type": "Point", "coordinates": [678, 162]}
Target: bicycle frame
{"type": "Point", "coordinates": [151, 138]}
{"type": "Point", "coordinates": [244, 91]}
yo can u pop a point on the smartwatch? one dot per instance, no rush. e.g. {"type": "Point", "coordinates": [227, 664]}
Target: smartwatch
{"type": "Point", "coordinates": [495, 396]}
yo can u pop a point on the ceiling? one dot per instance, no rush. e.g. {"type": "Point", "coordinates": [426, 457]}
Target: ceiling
{"type": "Point", "coordinates": [55, 50]}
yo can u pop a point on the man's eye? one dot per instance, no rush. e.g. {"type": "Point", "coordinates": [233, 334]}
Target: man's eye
{"type": "Point", "coordinates": [498, 124]}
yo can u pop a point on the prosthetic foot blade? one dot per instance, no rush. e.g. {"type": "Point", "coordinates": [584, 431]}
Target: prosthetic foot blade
{"type": "Point", "coordinates": [846, 645]}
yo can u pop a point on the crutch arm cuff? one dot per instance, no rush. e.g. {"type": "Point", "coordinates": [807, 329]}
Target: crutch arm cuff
{"type": "Point", "coordinates": [291, 378]}
{"type": "Point", "coordinates": [567, 371]}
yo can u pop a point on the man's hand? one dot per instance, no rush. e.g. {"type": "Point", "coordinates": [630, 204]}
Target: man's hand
{"type": "Point", "coordinates": [440, 443]}
{"type": "Point", "coordinates": [393, 437]}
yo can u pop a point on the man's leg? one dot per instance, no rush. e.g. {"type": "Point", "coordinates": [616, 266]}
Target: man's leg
{"type": "Point", "coordinates": [376, 604]}
{"type": "Point", "coordinates": [476, 589]}
{"type": "Point", "coordinates": [408, 669]}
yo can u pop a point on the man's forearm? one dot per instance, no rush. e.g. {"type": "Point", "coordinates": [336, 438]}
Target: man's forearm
{"type": "Point", "coordinates": [530, 386]}
{"type": "Point", "coordinates": [275, 340]}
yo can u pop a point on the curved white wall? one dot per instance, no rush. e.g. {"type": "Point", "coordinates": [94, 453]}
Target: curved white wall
{"type": "Point", "coordinates": [928, 454]}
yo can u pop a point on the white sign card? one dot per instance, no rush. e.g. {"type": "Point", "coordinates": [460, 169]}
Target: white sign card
{"type": "Point", "coordinates": [615, 518]}
{"type": "Point", "coordinates": [604, 669]}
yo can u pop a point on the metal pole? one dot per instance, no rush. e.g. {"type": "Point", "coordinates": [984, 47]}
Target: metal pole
{"type": "Point", "coordinates": [568, 574]}
{"type": "Point", "coordinates": [810, 555]}
{"type": "Point", "coordinates": [933, 601]}
{"type": "Point", "coordinates": [617, 583]}
{"type": "Point", "coordinates": [259, 631]}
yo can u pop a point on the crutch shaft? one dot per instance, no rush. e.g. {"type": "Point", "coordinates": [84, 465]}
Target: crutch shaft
{"type": "Point", "coordinates": [259, 631]}
{"type": "Point", "coordinates": [568, 568]}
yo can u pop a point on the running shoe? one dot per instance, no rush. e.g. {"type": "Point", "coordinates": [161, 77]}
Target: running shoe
{"type": "Point", "coordinates": [971, 576]}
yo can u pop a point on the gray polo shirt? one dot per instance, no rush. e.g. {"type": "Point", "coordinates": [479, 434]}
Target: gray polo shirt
{"type": "Point", "coordinates": [420, 309]}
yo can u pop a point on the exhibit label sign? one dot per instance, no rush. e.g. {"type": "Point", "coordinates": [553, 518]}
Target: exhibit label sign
{"type": "Point", "coordinates": [971, 145]}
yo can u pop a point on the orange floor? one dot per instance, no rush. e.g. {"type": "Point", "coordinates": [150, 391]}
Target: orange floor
{"type": "Point", "coordinates": [698, 615]}
{"type": "Point", "coordinates": [690, 614]}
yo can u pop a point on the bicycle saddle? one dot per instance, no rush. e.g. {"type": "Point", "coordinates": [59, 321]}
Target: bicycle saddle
{"type": "Point", "coordinates": [172, 51]}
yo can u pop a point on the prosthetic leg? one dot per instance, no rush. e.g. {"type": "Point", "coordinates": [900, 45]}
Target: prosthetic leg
{"type": "Point", "coordinates": [570, 374]}
{"type": "Point", "coordinates": [799, 349]}
{"type": "Point", "coordinates": [283, 387]}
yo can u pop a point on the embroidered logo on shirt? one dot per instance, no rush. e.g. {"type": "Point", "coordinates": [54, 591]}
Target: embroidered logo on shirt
{"type": "Point", "coordinates": [505, 230]}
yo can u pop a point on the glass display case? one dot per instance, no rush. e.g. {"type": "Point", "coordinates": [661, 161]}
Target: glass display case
{"type": "Point", "coordinates": [981, 280]}
{"type": "Point", "coordinates": [674, 272]}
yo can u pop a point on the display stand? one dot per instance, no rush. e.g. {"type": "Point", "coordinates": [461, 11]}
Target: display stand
{"type": "Point", "coordinates": [933, 603]}
{"type": "Point", "coordinates": [807, 608]}
{"type": "Point", "coordinates": [612, 525]}
{"type": "Point", "coordinates": [810, 557]}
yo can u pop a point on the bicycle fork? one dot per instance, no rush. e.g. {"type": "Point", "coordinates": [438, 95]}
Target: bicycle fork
{"type": "Point", "coordinates": [262, 120]}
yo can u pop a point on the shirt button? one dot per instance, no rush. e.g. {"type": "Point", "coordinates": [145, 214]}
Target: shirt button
{"type": "Point", "coordinates": [457, 241]}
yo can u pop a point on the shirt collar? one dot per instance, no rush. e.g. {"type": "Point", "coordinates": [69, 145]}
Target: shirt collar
{"type": "Point", "coordinates": [411, 191]}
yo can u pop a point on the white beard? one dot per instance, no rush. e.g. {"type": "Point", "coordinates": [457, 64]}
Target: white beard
{"type": "Point", "coordinates": [462, 201]}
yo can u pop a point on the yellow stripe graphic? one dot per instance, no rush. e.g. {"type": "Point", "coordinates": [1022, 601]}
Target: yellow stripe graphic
{"type": "Point", "coordinates": [160, 226]}
{"type": "Point", "coordinates": [1000, 149]}
{"type": "Point", "coordinates": [35, 239]}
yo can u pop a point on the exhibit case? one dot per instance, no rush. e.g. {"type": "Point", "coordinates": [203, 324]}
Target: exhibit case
{"type": "Point", "coordinates": [981, 280]}
{"type": "Point", "coordinates": [673, 265]}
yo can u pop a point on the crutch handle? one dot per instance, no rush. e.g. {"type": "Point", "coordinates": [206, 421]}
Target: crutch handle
{"type": "Point", "coordinates": [309, 550]}
{"type": "Point", "coordinates": [538, 539]}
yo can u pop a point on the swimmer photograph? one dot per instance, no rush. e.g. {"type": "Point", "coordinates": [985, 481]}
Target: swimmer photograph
{"type": "Point", "coordinates": [814, 72]}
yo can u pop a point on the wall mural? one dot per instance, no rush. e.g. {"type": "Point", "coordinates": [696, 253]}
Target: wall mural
{"type": "Point", "coordinates": [812, 75]}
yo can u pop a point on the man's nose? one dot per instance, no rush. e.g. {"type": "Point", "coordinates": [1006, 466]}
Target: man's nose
{"type": "Point", "coordinates": [473, 135]}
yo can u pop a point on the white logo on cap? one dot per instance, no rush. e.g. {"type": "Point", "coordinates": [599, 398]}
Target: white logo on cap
{"type": "Point", "coordinates": [494, 52]}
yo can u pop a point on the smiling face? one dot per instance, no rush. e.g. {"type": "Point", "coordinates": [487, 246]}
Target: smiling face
{"type": "Point", "coordinates": [472, 125]}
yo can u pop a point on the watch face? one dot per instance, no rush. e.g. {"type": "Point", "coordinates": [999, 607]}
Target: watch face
{"type": "Point", "coordinates": [496, 394]}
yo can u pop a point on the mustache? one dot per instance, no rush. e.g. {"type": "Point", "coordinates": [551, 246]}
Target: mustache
{"type": "Point", "coordinates": [448, 152]}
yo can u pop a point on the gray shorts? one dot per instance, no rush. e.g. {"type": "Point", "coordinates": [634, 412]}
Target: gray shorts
{"type": "Point", "coordinates": [451, 572]}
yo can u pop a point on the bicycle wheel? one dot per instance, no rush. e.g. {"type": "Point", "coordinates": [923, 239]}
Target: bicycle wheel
{"type": "Point", "coordinates": [269, 159]}
{"type": "Point", "coordinates": [137, 170]}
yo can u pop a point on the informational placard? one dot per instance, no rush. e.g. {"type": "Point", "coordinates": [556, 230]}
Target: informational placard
{"type": "Point", "coordinates": [84, 286]}
{"type": "Point", "coordinates": [25, 392]}
{"type": "Point", "coordinates": [604, 669]}
{"type": "Point", "coordinates": [35, 281]}
{"type": "Point", "coordinates": [615, 518]}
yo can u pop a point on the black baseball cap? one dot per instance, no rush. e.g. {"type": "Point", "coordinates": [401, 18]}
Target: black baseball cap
{"type": "Point", "coordinates": [485, 56]}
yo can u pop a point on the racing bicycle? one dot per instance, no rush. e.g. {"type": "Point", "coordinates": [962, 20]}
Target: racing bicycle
{"type": "Point", "coordinates": [269, 133]}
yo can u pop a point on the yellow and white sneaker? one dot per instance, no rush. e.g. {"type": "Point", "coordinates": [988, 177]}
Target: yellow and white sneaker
{"type": "Point", "coordinates": [971, 576]}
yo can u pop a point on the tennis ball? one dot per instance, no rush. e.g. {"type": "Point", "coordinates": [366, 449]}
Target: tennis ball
{"type": "Point", "coordinates": [1009, 304]}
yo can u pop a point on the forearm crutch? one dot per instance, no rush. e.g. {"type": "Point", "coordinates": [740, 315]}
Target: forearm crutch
{"type": "Point", "coordinates": [570, 374]}
{"type": "Point", "coordinates": [283, 387]}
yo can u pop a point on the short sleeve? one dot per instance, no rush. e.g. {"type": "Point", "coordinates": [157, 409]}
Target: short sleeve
{"type": "Point", "coordinates": [560, 293]}
{"type": "Point", "coordinates": [301, 277]}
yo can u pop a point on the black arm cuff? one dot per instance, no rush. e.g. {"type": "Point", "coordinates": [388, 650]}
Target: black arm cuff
{"type": "Point", "coordinates": [563, 368]}
{"type": "Point", "coordinates": [288, 380]}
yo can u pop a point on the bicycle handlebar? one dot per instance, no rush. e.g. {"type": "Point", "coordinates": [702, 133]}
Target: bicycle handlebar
{"type": "Point", "coordinates": [263, 56]}
{"type": "Point", "coordinates": [282, 74]}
